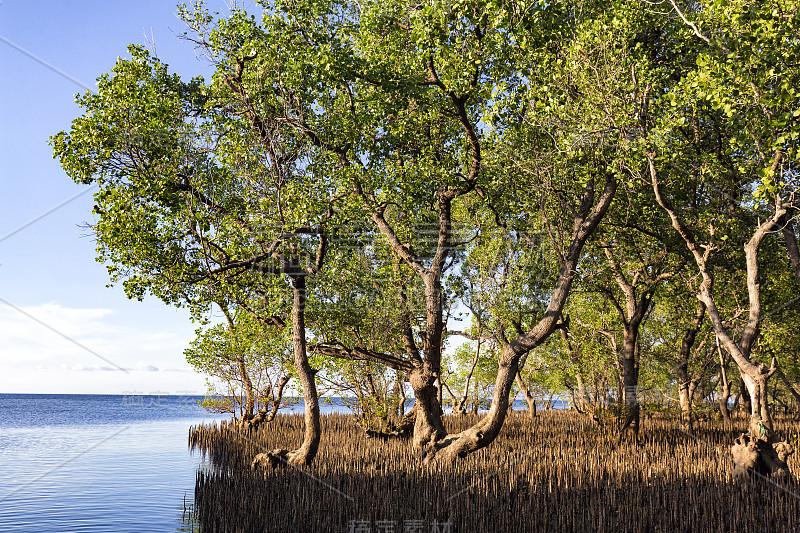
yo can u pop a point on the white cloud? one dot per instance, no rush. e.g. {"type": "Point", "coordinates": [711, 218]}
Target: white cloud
{"type": "Point", "coordinates": [75, 349]}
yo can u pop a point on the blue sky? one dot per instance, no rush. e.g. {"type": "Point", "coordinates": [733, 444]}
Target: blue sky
{"type": "Point", "coordinates": [61, 329]}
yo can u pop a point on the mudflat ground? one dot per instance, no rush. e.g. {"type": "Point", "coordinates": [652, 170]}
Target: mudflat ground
{"type": "Point", "coordinates": [553, 473]}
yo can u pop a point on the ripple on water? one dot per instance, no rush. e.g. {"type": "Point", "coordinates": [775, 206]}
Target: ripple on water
{"type": "Point", "coordinates": [130, 475]}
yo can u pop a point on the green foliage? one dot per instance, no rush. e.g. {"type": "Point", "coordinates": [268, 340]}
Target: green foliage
{"type": "Point", "coordinates": [229, 358]}
{"type": "Point", "coordinates": [323, 116]}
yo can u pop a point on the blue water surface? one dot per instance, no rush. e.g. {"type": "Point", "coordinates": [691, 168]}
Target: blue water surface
{"type": "Point", "coordinates": [102, 463]}
{"type": "Point", "coordinates": [91, 463]}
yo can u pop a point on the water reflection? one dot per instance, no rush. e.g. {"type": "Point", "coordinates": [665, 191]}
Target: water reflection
{"type": "Point", "coordinates": [189, 522]}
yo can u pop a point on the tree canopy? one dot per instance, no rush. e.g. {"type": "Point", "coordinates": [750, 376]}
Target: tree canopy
{"type": "Point", "coordinates": [559, 173]}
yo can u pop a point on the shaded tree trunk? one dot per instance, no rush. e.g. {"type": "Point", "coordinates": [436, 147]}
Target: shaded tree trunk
{"type": "Point", "coordinates": [795, 394]}
{"type": "Point", "coordinates": [630, 381]}
{"type": "Point", "coordinates": [632, 314]}
{"type": "Point", "coordinates": [583, 400]}
{"type": "Point", "coordinates": [725, 386]}
{"type": "Point", "coordinates": [684, 380]}
{"type": "Point", "coordinates": [744, 397]}
{"type": "Point", "coordinates": [790, 237]}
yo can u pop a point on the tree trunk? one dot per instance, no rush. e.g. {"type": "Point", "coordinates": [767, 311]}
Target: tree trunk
{"type": "Point", "coordinates": [724, 398]}
{"type": "Point", "coordinates": [429, 434]}
{"type": "Point", "coordinates": [308, 450]}
{"type": "Point", "coordinates": [689, 337]}
{"type": "Point", "coordinates": [440, 393]}
{"type": "Point", "coordinates": [528, 396]}
{"type": "Point", "coordinates": [267, 414]}
{"type": "Point", "coordinates": [630, 382]}
{"type": "Point", "coordinates": [757, 450]}
{"type": "Point", "coordinates": [683, 397]}
{"type": "Point", "coordinates": [250, 398]}
{"type": "Point", "coordinates": [462, 405]}
{"type": "Point", "coordinates": [400, 393]}
{"type": "Point", "coordinates": [760, 419]}
{"type": "Point", "coordinates": [791, 389]}
{"type": "Point", "coordinates": [744, 397]}
{"type": "Point", "coordinates": [725, 387]}
{"type": "Point", "coordinates": [428, 427]}
{"type": "Point", "coordinates": [583, 397]}
{"type": "Point", "coordinates": [632, 315]}
{"type": "Point", "coordinates": [753, 451]}
{"type": "Point", "coordinates": [311, 437]}
{"type": "Point", "coordinates": [453, 400]}
{"type": "Point", "coordinates": [792, 249]}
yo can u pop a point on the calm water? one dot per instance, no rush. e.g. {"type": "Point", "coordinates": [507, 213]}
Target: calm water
{"type": "Point", "coordinates": [94, 463]}
{"type": "Point", "coordinates": [75, 463]}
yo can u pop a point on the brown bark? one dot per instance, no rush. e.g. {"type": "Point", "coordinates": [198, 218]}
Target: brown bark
{"type": "Point", "coordinates": [428, 426]}
{"type": "Point", "coordinates": [267, 414]}
{"type": "Point", "coordinates": [744, 397]}
{"type": "Point", "coordinates": [630, 382]}
{"type": "Point", "coordinates": [632, 314]}
{"type": "Point", "coordinates": [311, 437]}
{"type": "Point", "coordinates": [528, 396]}
{"type": "Point", "coordinates": [682, 370]}
{"type": "Point", "coordinates": [725, 386]}
{"type": "Point", "coordinates": [486, 430]}
{"type": "Point", "coordinates": [308, 450]}
{"type": "Point", "coordinates": [790, 236]}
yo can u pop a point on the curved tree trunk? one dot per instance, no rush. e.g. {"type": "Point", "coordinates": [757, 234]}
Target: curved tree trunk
{"type": "Point", "coordinates": [311, 437]}
{"type": "Point", "coordinates": [267, 413]}
{"type": "Point", "coordinates": [757, 450]}
{"type": "Point", "coordinates": [486, 430]}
